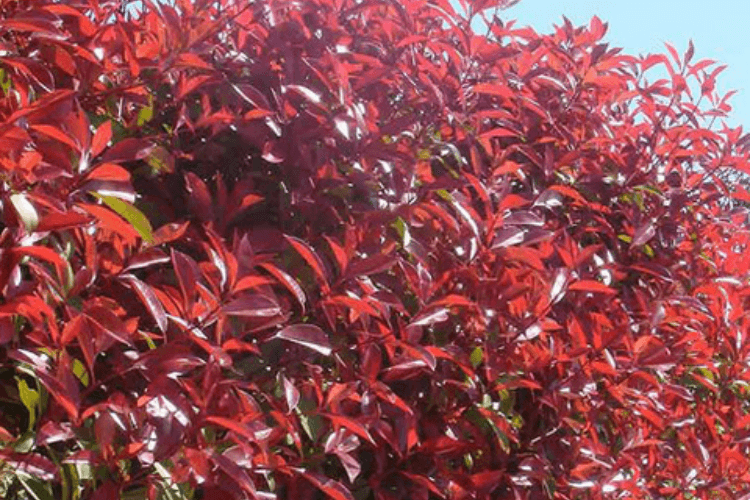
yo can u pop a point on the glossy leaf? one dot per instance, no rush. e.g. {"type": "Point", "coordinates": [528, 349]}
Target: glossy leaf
{"type": "Point", "coordinates": [131, 214]}
{"type": "Point", "coordinates": [309, 336]}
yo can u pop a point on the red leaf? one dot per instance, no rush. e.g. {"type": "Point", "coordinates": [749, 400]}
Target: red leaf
{"type": "Point", "coordinates": [689, 52]}
{"type": "Point", "coordinates": [235, 473]}
{"type": "Point", "coordinates": [192, 61]}
{"type": "Point", "coordinates": [286, 280]}
{"type": "Point", "coordinates": [233, 426]}
{"type": "Point", "coordinates": [498, 132]}
{"type": "Point", "coordinates": [338, 252]}
{"type": "Point", "coordinates": [351, 465]}
{"type": "Point", "coordinates": [53, 432]}
{"type": "Point", "coordinates": [186, 278]}
{"type": "Point", "coordinates": [523, 218]}
{"type": "Point", "coordinates": [148, 297]}
{"type": "Point", "coordinates": [7, 330]}
{"type": "Point", "coordinates": [109, 172]}
{"type": "Point", "coordinates": [674, 53]}
{"type": "Point", "coordinates": [46, 254]}
{"type": "Point", "coordinates": [357, 304]}
{"type": "Point", "coordinates": [370, 265]}
{"type": "Point", "coordinates": [570, 192]}
{"type": "Point", "coordinates": [309, 255]}
{"type": "Point", "coordinates": [508, 236]}
{"type": "Point", "coordinates": [643, 234]}
{"type": "Point", "coordinates": [425, 482]}
{"type": "Point", "coordinates": [32, 464]}
{"type": "Point", "coordinates": [101, 138]}
{"type": "Point", "coordinates": [5, 435]}
{"type": "Point", "coordinates": [254, 281]}
{"type": "Point", "coordinates": [130, 149]}
{"type": "Point", "coordinates": [170, 232]}
{"type": "Point", "coordinates": [24, 23]}
{"type": "Point", "coordinates": [591, 286]}
{"type": "Point", "coordinates": [495, 89]}
{"type": "Point", "coordinates": [309, 336]}
{"type": "Point", "coordinates": [107, 491]}
{"type": "Point", "coordinates": [431, 316]}
{"type": "Point", "coordinates": [54, 221]}
{"type": "Point", "coordinates": [71, 329]}
{"type": "Point", "coordinates": [110, 221]}
{"type": "Point", "coordinates": [199, 201]}
{"type": "Point", "coordinates": [598, 29]}
{"type": "Point", "coordinates": [57, 134]}
{"type": "Point", "coordinates": [350, 424]}
{"type": "Point", "coordinates": [487, 481]}
{"type": "Point", "coordinates": [249, 200]}
{"type": "Point", "coordinates": [146, 258]}
{"type": "Point", "coordinates": [238, 345]}
{"type": "Point", "coordinates": [291, 393]}
{"type": "Point", "coordinates": [528, 256]}
{"type": "Point", "coordinates": [453, 300]}
{"type": "Point", "coordinates": [253, 306]}
{"type": "Point", "coordinates": [332, 489]}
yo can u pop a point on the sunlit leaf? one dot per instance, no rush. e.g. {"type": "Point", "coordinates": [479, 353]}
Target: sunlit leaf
{"type": "Point", "coordinates": [131, 214]}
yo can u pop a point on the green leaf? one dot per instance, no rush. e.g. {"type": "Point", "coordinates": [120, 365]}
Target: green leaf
{"type": "Point", "coordinates": [36, 488]}
{"type": "Point", "coordinates": [149, 341]}
{"type": "Point", "coordinates": [160, 161]}
{"type": "Point", "coordinates": [638, 198]}
{"type": "Point", "coordinates": [403, 231]}
{"type": "Point", "coordinates": [70, 482]}
{"type": "Point", "coordinates": [312, 425]}
{"type": "Point", "coordinates": [650, 189]}
{"type": "Point", "coordinates": [5, 82]}
{"type": "Point", "coordinates": [25, 442]}
{"type": "Point", "coordinates": [476, 357]}
{"type": "Point", "coordinates": [169, 489]}
{"type": "Point", "coordinates": [469, 461]}
{"type": "Point", "coordinates": [130, 213]}
{"type": "Point", "coordinates": [135, 494]}
{"type": "Point", "coordinates": [79, 370]}
{"type": "Point", "coordinates": [30, 399]}
{"type": "Point", "coordinates": [444, 195]}
{"type": "Point", "coordinates": [146, 114]}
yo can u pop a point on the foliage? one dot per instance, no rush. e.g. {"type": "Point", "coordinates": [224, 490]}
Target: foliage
{"type": "Point", "coordinates": [357, 250]}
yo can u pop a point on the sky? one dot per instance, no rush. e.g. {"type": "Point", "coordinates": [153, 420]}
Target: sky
{"type": "Point", "coordinates": [720, 30]}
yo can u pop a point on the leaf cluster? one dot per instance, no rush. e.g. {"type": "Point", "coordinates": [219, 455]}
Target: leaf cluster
{"type": "Point", "coordinates": [359, 250]}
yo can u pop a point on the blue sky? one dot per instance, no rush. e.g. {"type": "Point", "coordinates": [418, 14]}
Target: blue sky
{"type": "Point", "coordinates": [720, 30]}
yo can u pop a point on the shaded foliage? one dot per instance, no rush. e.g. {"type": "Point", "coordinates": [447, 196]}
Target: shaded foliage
{"type": "Point", "coordinates": [358, 250]}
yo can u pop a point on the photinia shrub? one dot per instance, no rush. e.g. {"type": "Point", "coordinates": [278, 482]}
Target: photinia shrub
{"type": "Point", "coordinates": [357, 249]}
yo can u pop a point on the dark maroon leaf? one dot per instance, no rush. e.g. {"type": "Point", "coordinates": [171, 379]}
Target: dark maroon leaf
{"type": "Point", "coordinates": [149, 257]}
{"type": "Point", "coordinates": [7, 330]}
{"type": "Point", "coordinates": [53, 432]}
{"type": "Point", "coordinates": [183, 267]}
{"type": "Point", "coordinates": [370, 265]}
{"type": "Point", "coordinates": [643, 234]}
{"type": "Point", "coordinates": [291, 394]}
{"type": "Point", "coordinates": [127, 150]}
{"type": "Point", "coordinates": [523, 218]}
{"type": "Point", "coordinates": [332, 489]}
{"type": "Point", "coordinates": [32, 464]}
{"type": "Point", "coordinates": [309, 336]}
{"type": "Point", "coordinates": [107, 491]}
{"type": "Point", "coordinates": [508, 236]}
{"type": "Point", "coordinates": [149, 299]}
{"type": "Point", "coordinates": [253, 305]}
{"type": "Point", "coordinates": [199, 197]}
